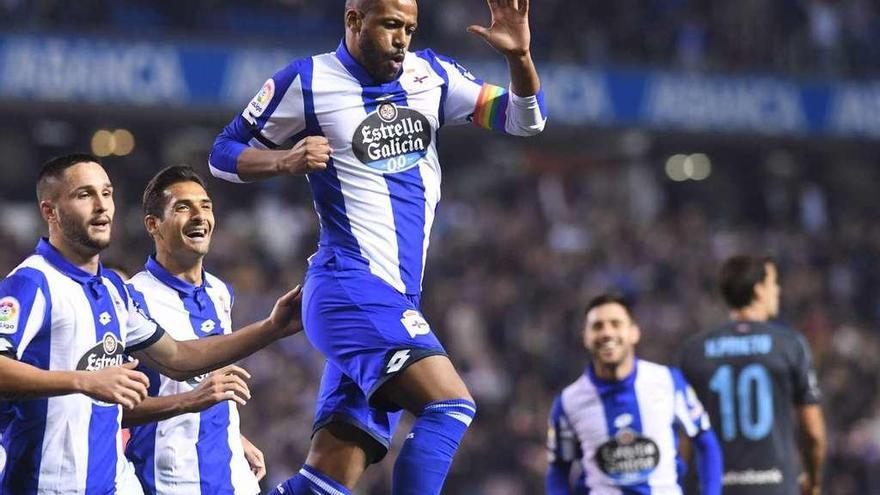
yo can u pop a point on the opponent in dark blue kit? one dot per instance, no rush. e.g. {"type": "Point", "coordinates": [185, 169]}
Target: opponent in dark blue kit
{"type": "Point", "coordinates": [754, 375]}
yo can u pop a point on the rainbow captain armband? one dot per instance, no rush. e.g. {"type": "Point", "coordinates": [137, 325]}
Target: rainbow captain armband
{"type": "Point", "coordinates": [491, 109]}
{"type": "Point", "coordinates": [501, 110]}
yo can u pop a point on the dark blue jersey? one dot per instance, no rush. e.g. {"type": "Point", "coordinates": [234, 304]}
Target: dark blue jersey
{"type": "Point", "coordinates": [751, 376]}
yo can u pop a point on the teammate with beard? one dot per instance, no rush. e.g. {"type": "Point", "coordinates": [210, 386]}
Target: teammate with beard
{"type": "Point", "coordinates": [185, 436]}
{"type": "Point", "coordinates": [363, 122]}
{"type": "Point", "coordinates": [66, 324]}
{"type": "Point", "coordinates": [622, 418]}
{"type": "Point", "coordinates": [755, 376]}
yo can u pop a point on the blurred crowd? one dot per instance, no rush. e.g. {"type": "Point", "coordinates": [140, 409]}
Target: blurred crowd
{"type": "Point", "coordinates": [525, 234]}
{"type": "Point", "coordinates": [802, 37]}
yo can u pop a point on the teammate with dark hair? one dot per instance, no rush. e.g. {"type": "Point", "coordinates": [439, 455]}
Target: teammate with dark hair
{"type": "Point", "coordinates": [622, 418]}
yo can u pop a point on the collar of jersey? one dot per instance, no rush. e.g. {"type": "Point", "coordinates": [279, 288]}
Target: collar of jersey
{"type": "Point", "coordinates": [170, 280]}
{"type": "Point", "coordinates": [603, 385]}
{"type": "Point", "coordinates": [57, 260]}
{"type": "Point", "coordinates": [356, 69]}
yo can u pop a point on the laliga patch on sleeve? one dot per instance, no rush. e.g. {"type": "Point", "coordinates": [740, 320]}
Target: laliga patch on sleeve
{"type": "Point", "coordinates": [260, 102]}
{"type": "Point", "coordinates": [10, 309]}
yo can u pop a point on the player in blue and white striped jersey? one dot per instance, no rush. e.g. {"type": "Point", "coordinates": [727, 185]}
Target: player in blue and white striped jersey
{"type": "Point", "coordinates": [622, 418]}
{"type": "Point", "coordinates": [363, 122]}
{"type": "Point", "coordinates": [65, 326]}
{"type": "Point", "coordinates": [185, 436]}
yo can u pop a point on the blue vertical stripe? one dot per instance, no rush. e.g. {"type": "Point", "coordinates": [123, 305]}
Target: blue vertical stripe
{"type": "Point", "coordinates": [431, 58]}
{"type": "Point", "coordinates": [326, 189]}
{"type": "Point", "coordinates": [620, 398]}
{"type": "Point", "coordinates": [407, 193]}
{"type": "Point", "coordinates": [23, 439]}
{"type": "Point", "coordinates": [212, 447]}
{"type": "Point", "coordinates": [104, 423]}
{"type": "Point", "coordinates": [141, 448]}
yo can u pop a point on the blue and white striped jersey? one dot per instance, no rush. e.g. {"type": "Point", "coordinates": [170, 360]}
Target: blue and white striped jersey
{"type": "Point", "coordinates": [625, 433]}
{"type": "Point", "coordinates": [377, 198]}
{"type": "Point", "coordinates": [55, 316]}
{"type": "Point", "coordinates": [196, 452]}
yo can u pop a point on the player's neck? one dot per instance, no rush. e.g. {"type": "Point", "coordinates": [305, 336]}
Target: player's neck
{"type": "Point", "coordinates": [188, 270]}
{"type": "Point", "coordinates": [753, 312]}
{"type": "Point", "coordinates": [86, 260]}
{"type": "Point", "coordinates": [615, 372]}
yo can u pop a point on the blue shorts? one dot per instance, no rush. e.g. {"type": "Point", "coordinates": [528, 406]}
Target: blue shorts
{"type": "Point", "coordinates": [369, 333]}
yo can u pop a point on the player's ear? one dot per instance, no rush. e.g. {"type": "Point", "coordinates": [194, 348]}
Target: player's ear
{"type": "Point", "coordinates": [47, 210]}
{"type": "Point", "coordinates": [636, 334]}
{"type": "Point", "coordinates": [353, 20]}
{"type": "Point", "coordinates": [151, 223]}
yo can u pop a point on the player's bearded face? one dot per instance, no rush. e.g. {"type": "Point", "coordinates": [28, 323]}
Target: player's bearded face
{"type": "Point", "coordinates": [610, 335]}
{"type": "Point", "coordinates": [385, 37]}
{"type": "Point", "coordinates": [188, 221]}
{"type": "Point", "coordinates": [85, 207]}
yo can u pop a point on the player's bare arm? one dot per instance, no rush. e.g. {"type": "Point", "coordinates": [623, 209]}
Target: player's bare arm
{"type": "Point", "coordinates": [307, 156]}
{"type": "Point", "coordinates": [116, 384]}
{"type": "Point", "coordinates": [182, 360]}
{"type": "Point", "coordinates": [813, 443]}
{"type": "Point", "coordinates": [509, 34]}
{"type": "Point", "coordinates": [228, 383]}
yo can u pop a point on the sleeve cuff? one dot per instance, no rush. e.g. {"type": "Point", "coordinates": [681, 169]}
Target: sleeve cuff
{"type": "Point", "coordinates": [152, 339]}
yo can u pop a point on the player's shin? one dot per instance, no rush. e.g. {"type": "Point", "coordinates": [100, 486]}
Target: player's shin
{"type": "Point", "coordinates": [427, 453]}
{"type": "Point", "coordinates": [310, 481]}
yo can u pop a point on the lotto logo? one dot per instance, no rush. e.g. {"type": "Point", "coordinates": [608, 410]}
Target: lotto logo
{"type": "Point", "coordinates": [397, 361]}
{"type": "Point", "coordinates": [208, 325]}
{"type": "Point", "coordinates": [104, 318]}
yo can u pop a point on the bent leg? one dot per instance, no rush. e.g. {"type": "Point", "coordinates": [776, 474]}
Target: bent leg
{"type": "Point", "coordinates": [432, 390]}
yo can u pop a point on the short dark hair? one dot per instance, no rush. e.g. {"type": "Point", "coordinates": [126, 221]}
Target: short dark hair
{"type": "Point", "coordinates": [610, 298]}
{"type": "Point", "coordinates": [154, 195]}
{"type": "Point", "coordinates": [739, 275]}
{"type": "Point", "coordinates": [53, 169]}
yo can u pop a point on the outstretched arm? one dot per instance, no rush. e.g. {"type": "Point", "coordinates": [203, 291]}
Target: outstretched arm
{"type": "Point", "coordinates": [508, 33]}
{"type": "Point", "coordinates": [182, 360]}
{"type": "Point", "coordinates": [116, 384]}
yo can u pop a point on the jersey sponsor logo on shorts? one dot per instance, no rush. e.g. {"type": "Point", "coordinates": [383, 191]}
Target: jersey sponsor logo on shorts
{"type": "Point", "coordinates": [392, 139]}
{"type": "Point", "coordinates": [628, 458]}
{"type": "Point", "coordinates": [414, 323]}
{"type": "Point", "coordinates": [10, 309]}
{"type": "Point", "coordinates": [258, 105]}
{"type": "Point", "coordinates": [397, 361]}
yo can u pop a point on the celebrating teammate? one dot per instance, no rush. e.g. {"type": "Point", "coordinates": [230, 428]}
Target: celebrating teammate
{"type": "Point", "coordinates": [621, 419]}
{"type": "Point", "coordinates": [750, 373]}
{"type": "Point", "coordinates": [363, 121]}
{"type": "Point", "coordinates": [67, 324]}
{"type": "Point", "coordinates": [185, 437]}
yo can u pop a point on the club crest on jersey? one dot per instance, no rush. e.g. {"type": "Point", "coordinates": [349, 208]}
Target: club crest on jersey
{"type": "Point", "coordinates": [629, 457]}
{"type": "Point", "coordinates": [415, 323]}
{"type": "Point", "coordinates": [108, 352]}
{"type": "Point", "coordinates": [392, 139]}
{"type": "Point", "coordinates": [10, 310]}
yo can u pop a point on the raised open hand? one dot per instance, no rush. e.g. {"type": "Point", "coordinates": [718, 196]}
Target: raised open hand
{"type": "Point", "coordinates": [508, 31]}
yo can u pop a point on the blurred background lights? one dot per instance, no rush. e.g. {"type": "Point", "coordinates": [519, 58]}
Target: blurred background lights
{"type": "Point", "coordinates": [119, 142]}
{"type": "Point", "coordinates": [680, 168]}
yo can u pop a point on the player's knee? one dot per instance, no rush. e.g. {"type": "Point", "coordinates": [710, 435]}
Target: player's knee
{"type": "Point", "coordinates": [458, 410]}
